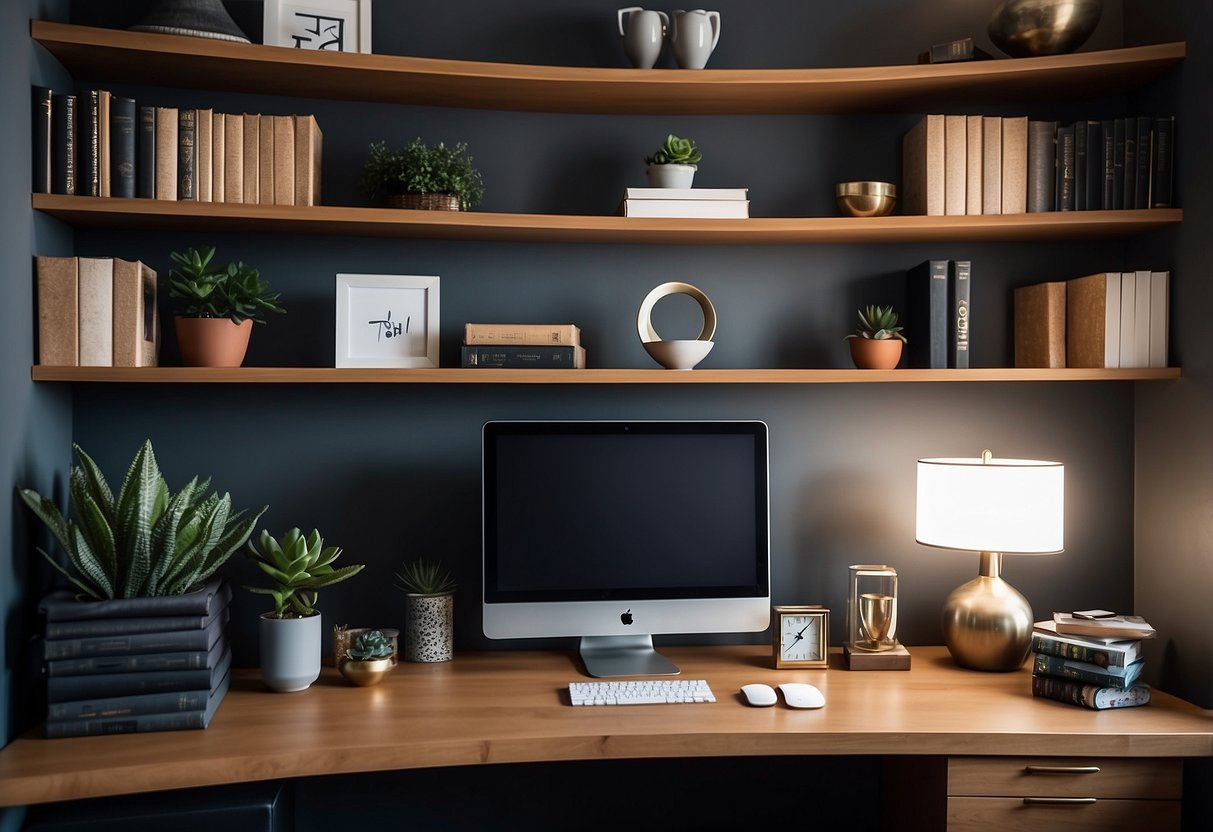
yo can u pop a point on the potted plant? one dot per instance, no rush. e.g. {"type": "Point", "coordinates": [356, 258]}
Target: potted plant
{"type": "Point", "coordinates": [429, 611]}
{"type": "Point", "coordinates": [220, 305]}
{"type": "Point", "coordinates": [674, 164]}
{"type": "Point", "coordinates": [876, 343]}
{"type": "Point", "coordinates": [291, 633]}
{"type": "Point", "coordinates": [419, 176]}
{"type": "Point", "coordinates": [369, 660]}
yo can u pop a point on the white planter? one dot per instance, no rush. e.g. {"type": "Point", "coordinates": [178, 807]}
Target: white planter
{"type": "Point", "coordinates": [290, 652]}
{"type": "Point", "coordinates": [429, 627]}
{"type": "Point", "coordinates": [671, 176]}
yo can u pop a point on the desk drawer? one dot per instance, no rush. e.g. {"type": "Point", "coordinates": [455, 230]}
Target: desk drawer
{"type": "Point", "coordinates": [1011, 814]}
{"type": "Point", "coordinates": [1156, 779]}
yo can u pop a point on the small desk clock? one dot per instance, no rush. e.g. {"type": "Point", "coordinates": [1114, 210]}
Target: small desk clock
{"type": "Point", "coordinates": [800, 636]}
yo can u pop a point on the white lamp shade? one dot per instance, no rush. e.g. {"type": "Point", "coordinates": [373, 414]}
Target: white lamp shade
{"type": "Point", "coordinates": [1000, 505]}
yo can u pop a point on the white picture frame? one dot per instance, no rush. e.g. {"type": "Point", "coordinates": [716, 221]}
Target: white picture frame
{"type": "Point", "coordinates": [322, 25]}
{"type": "Point", "coordinates": [386, 320]}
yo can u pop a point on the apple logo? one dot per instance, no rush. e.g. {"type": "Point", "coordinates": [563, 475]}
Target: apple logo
{"type": "Point", "coordinates": [626, 617]}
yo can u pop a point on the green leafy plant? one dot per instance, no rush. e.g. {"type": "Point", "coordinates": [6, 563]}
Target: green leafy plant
{"type": "Point", "coordinates": [676, 151]}
{"type": "Point", "coordinates": [421, 169]}
{"type": "Point", "coordinates": [879, 323]}
{"type": "Point", "coordinates": [299, 566]}
{"type": "Point", "coordinates": [422, 577]}
{"type": "Point", "coordinates": [146, 541]}
{"type": "Point", "coordinates": [233, 290]}
{"type": "Point", "coordinates": [369, 647]}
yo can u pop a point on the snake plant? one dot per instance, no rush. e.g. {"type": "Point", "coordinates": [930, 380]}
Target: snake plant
{"type": "Point", "coordinates": [369, 647]}
{"type": "Point", "coordinates": [422, 577]}
{"type": "Point", "coordinates": [299, 566]}
{"type": "Point", "coordinates": [146, 541]}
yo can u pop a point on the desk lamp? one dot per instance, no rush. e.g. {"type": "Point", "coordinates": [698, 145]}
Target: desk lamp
{"type": "Point", "coordinates": [995, 507]}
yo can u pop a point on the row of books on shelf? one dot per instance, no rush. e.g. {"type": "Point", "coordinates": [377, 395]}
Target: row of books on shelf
{"type": "Point", "coordinates": [967, 164]}
{"type": "Point", "coordinates": [937, 307]}
{"type": "Point", "coordinates": [692, 203]}
{"type": "Point", "coordinates": [1090, 661]}
{"type": "Point", "coordinates": [139, 666]}
{"type": "Point", "coordinates": [523, 346]}
{"type": "Point", "coordinates": [97, 312]}
{"type": "Point", "coordinates": [1108, 319]}
{"type": "Point", "coordinates": [107, 145]}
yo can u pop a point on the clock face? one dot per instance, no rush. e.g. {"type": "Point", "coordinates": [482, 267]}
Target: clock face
{"type": "Point", "coordinates": [801, 637]}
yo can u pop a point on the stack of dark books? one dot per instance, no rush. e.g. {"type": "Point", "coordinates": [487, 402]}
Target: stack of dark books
{"type": "Point", "coordinates": [1091, 659]}
{"type": "Point", "coordinates": [136, 664]}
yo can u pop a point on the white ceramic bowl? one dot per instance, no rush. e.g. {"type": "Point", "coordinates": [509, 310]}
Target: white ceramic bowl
{"type": "Point", "coordinates": [678, 355]}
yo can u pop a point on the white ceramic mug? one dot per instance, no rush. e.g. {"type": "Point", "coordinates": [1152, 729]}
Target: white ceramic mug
{"type": "Point", "coordinates": [642, 35]}
{"type": "Point", "coordinates": [694, 35]}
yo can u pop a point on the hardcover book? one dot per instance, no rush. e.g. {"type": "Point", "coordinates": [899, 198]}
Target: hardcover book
{"type": "Point", "coordinates": [1130, 163]}
{"type": "Point", "coordinates": [1093, 320]}
{"type": "Point", "coordinates": [218, 157]}
{"type": "Point", "coordinates": [1128, 319]}
{"type": "Point", "coordinates": [1042, 165]}
{"type": "Point", "coordinates": [991, 166]}
{"type": "Point", "coordinates": [1014, 164]}
{"type": "Point", "coordinates": [974, 165]}
{"type": "Point", "coordinates": [251, 151]}
{"type": "Point", "coordinates": [167, 153]}
{"type": "Point", "coordinates": [88, 183]}
{"type": "Point", "coordinates": [172, 641]}
{"type": "Point", "coordinates": [233, 158]}
{"type": "Point", "coordinates": [519, 356]}
{"type": "Point", "coordinates": [61, 605]}
{"type": "Point", "coordinates": [1094, 697]}
{"type": "Point", "coordinates": [1064, 184]}
{"type": "Point", "coordinates": [145, 177]}
{"type": "Point", "coordinates": [687, 208]}
{"type": "Point", "coordinates": [1141, 319]}
{"type": "Point", "coordinates": [955, 169]}
{"type": "Point", "coordinates": [266, 160]}
{"type": "Point", "coordinates": [1118, 164]}
{"type": "Point", "coordinates": [62, 112]}
{"type": "Point", "coordinates": [1080, 165]}
{"type": "Point", "coordinates": [309, 144]}
{"type": "Point", "coordinates": [105, 685]}
{"type": "Point", "coordinates": [922, 167]}
{"type": "Point", "coordinates": [136, 316]}
{"type": "Point", "coordinates": [43, 140]}
{"type": "Point", "coordinates": [58, 311]}
{"type": "Point", "coordinates": [96, 315]}
{"type": "Point", "coordinates": [130, 663]}
{"type": "Point", "coordinates": [1141, 192]}
{"type": "Point", "coordinates": [927, 318]}
{"type": "Point", "coordinates": [104, 179]}
{"type": "Point", "coordinates": [1160, 303]}
{"type": "Point", "coordinates": [1164, 162]}
{"type": "Point", "coordinates": [961, 49]}
{"type": "Point", "coordinates": [738, 194]}
{"type": "Point", "coordinates": [1099, 652]}
{"type": "Point", "coordinates": [1093, 157]}
{"type": "Point", "coordinates": [122, 147]}
{"type": "Point", "coordinates": [136, 705]}
{"type": "Point", "coordinates": [284, 160]}
{"type": "Point", "coordinates": [1116, 626]}
{"type": "Point", "coordinates": [522, 334]}
{"type": "Point", "coordinates": [187, 159]}
{"type": "Point", "coordinates": [1040, 325]}
{"type": "Point", "coordinates": [1107, 191]}
{"type": "Point", "coordinates": [204, 122]}
{"type": "Point", "coordinates": [1092, 674]}
{"type": "Point", "coordinates": [960, 274]}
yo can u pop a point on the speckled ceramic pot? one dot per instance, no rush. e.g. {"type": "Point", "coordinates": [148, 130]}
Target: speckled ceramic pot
{"type": "Point", "coordinates": [429, 627]}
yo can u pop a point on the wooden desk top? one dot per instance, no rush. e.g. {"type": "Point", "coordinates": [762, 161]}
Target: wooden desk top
{"type": "Point", "coordinates": [509, 706]}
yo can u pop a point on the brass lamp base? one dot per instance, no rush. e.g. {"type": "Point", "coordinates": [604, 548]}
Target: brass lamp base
{"type": "Point", "coordinates": [987, 623]}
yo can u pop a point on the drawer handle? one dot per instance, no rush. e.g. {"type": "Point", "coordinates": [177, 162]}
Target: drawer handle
{"type": "Point", "coordinates": [1061, 769]}
{"type": "Point", "coordinates": [1058, 801]}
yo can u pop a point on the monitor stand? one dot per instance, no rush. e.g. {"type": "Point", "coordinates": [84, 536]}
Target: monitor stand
{"type": "Point", "coordinates": [624, 656]}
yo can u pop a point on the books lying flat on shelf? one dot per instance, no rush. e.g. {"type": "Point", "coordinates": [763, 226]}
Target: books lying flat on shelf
{"type": "Point", "coordinates": [171, 641]}
{"type": "Point", "coordinates": [1094, 697]}
{"type": "Point", "coordinates": [74, 688]}
{"type": "Point", "coordinates": [522, 334]}
{"type": "Point", "coordinates": [527, 357]}
{"type": "Point", "coordinates": [1115, 627]}
{"type": "Point", "coordinates": [1099, 652]}
{"type": "Point", "coordinates": [961, 49]}
{"type": "Point", "coordinates": [62, 605]}
{"type": "Point", "coordinates": [168, 720]}
{"type": "Point", "coordinates": [136, 705]}
{"type": "Point", "coordinates": [730, 194]}
{"type": "Point", "coordinates": [1090, 673]}
{"type": "Point", "coordinates": [692, 203]}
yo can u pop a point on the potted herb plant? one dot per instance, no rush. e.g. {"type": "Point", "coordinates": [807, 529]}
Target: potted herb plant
{"type": "Point", "coordinates": [291, 633]}
{"type": "Point", "coordinates": [220, 305]}
{"type": "Point", "coordinates": [876, 343]}
{"type": "Point", "coordinates": [368, 660]}
{"type": "Point", "coordinates": [429, 611]}
{"type": "Point", "coordinates": [420, 176]}
{"type": "Point", "coordinates": [674, 164]}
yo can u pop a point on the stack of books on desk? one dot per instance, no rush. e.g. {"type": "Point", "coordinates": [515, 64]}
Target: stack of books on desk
{"type": "Point", "coordinates": [693, 203]}
{"type": "Point", "coordinates": [137, 664]}
{"type": "Point", "coordinates": [528, 346]}
{"type": "Point", "coordinates": [1091, 662]}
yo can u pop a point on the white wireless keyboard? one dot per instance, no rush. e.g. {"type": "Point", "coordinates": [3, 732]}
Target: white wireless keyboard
{"type": "Point", "coordinates": [640, 692]}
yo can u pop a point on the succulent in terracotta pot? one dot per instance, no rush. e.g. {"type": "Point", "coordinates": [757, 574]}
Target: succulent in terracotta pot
{"type": "Point", "coordinates": [876, 344]}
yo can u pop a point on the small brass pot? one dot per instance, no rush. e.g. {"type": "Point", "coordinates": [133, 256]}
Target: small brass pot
{"type": "Point", "coordinates": [365, 673]}
{"type": "Point", "coordinates": [865, 199]}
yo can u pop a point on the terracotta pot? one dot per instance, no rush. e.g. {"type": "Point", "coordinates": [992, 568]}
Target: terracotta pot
{"type": "Point", "coordinates": [424, 202]}
{"type": "Point", "coordinates": [875, 355]}
{"type": "Point", "coordinates": [213, 342]}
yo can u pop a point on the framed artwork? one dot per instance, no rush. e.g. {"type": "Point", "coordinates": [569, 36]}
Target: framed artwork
{"type": "Point", "coordinates": [326, 25]}
{"type": "Point", "coordinates": [386, 320]}
{"type": "Point", "coordinates": [800, 636]}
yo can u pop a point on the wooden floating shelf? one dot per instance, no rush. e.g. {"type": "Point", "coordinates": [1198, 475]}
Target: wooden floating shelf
{"type": "Point", "coordinates": [120, 56]}
{"type": "Point", "coordinates": [345, 375]}
{"type": "Point", "coordinates": [152, 214]}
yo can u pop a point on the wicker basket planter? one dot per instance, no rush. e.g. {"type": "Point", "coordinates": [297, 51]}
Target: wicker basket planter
{"type": "Point", "coordinates": [424, 202]}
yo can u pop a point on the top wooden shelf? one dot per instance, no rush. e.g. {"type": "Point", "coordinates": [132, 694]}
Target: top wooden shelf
{"type": "Point", "coordinates": [118, 56]}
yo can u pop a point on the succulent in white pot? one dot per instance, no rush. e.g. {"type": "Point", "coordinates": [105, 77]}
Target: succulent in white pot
{"type": "Point", "coordinates": [674, 164]}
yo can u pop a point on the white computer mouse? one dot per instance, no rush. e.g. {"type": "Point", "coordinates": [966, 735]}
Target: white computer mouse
{"type": "Point", "coordinates": [760, 696]}
{"type": "Point", "coordinates": [801, 695]}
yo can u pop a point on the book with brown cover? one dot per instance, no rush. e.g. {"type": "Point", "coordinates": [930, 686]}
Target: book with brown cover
{"type": "Point", "coordinates": [1093, 320]}
{"type": "Point", "coordinates": [1014, 164]}
{"type": "Point", "coordinates": [265, 160]}
{"type": "Point", "coordinates": [204, 124]}
{"type": "Point", "coordinates": [233, 158]}
{"type": "Point", "coordinates": [991, 164]}
{"type": "Point", "coordinates": [922, 167]}
{"type": "Point", "coordinates": [284, 160]}
{"type": "Point", "coordinates": [46, 146]}
{"type": "Point", "coordinates": [955, 168]}
{"type": "Point", "coordinates": [974, 165]}
{"type": "Point", "coordinates": [96, 305]}
{"type": "Point", "coordinates": [522, 334]}
{"type": "Point", "coordinates": [218, 156]}
{"type": "Point", "coordinates": [103, 143]}
{"type": "Point", "coordinates": [1040, 325]}
{"type": "Point", "coordinates": [251, 149]}
{"type": "Point", "coordinates": [58, 299]}
{"type": "Point", "coordinates": [166, 152]}
{"type": "Point", "coordinates": [136, 319]}
{"type": "Point", "coordinates": [308, 147]}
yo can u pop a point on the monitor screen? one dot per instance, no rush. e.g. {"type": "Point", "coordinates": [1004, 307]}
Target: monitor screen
{"type": "Point", "coordinates": [626, 529]}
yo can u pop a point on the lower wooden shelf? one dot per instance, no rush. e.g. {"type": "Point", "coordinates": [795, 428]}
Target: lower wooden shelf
{"type": "Point", "coordinates": [379, 375]}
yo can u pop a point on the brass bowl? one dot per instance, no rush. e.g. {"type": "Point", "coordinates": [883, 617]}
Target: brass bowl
{"type": "Point", "coordinates": [1024, 28]}
{"type": "Point", "coordinates": [865, 199]}
{"type": "Point", "coordinates": [364, 673]}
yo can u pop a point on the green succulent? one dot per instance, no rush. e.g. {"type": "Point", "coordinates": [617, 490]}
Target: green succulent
{"type": "Point", "coordinates": [234, 290]}
{"type": "Point", "coordinates": [676, 151]}
{"type": "Point", "coordinates": [422, 577]}
{"type": "Point", "coordinates": [421, 169]}
{"type": "Point", "coordinates": [879, 323]}
{"type": "Point", "coordinates": [370, 646]}
{"type": "Point", "coordinates": [147, 541]}
{"type": "Point", "coordinates": [299, 566]}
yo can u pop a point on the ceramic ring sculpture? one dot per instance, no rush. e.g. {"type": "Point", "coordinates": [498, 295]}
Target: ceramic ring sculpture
{"type": "Point", "coordinates": [676, 355]}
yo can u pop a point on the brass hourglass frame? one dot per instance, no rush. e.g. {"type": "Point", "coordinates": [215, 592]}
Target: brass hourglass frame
{"type": "Point", "coordinates": [872, 609]}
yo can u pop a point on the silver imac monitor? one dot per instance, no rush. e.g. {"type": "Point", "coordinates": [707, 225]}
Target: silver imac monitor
{"type": "Point", "coordinates": [616, 531]}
